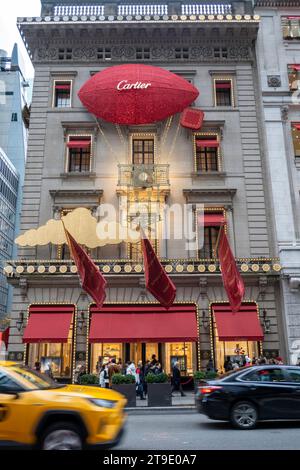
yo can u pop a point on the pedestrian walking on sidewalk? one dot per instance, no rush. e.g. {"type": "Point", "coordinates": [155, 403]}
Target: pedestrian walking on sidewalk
{"type": "Point", "coordinates": [176, 384]}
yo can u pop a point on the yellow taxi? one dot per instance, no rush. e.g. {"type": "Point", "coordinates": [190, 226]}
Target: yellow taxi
{"type": "Point", "coordinates": [37, 412]}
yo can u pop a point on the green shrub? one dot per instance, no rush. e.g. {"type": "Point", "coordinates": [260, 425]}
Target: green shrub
{"type": "Point", "coordinates": [118, 379]}
{"type": "Point", "coordinates": [199, 375]}
{"type": "Point", "coordinates": [89, 379]}
{"type": "Point", "coordinates": [156, 378]}
{"type": "Point", "coordinates": [210, 375]}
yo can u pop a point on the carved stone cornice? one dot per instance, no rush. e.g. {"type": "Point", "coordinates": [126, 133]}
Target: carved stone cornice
{"type": "Point", "coordinates": [277, 3]}
{"type": "Point", "coordinates": [210, 195]}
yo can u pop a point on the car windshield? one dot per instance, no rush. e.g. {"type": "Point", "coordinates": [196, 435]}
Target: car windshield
{"type": "Point", "coordinates": [35, 379]}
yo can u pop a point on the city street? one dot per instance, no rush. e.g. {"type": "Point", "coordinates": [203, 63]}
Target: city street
{"type": "Point", "coordinates": [189, 430]}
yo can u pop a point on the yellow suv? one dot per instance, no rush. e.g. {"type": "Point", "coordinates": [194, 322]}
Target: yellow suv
{"type": "Point", "coordinates": [37, 412]}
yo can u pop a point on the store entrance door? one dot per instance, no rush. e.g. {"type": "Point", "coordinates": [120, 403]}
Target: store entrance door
{"type": "Point", "coordinates": [144, 352]}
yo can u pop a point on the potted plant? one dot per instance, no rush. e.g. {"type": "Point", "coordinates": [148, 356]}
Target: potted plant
{"type": "Point", "coordinates": [159, 390]}
{"type": "Point", "coordinates": [199, 377]}
{"type": "Point", "coordinates": [211, 375]}
{"type": "Point", "coordinates": [89, 379]}
{"type": "Point", "coordinates": [125, 384]}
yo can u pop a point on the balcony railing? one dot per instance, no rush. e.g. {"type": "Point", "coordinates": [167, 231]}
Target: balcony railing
{"type": "Point", "coordinates": [144, 176]}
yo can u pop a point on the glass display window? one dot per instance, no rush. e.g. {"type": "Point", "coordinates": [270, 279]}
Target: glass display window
{"type": "Point", "coordinates": [235, 350]}
{"type": "Point", "coordinates": [57, 356]}
{"type": "Point", "coordinates": [179, 352]}
{"type": "Point", "coordinates": [102, 353]}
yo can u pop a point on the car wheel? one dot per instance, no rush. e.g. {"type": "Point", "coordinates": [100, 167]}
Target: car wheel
{"type": "Point", "coordinates": [244, 415]}
{"type": "Point", "coordinates": [62, 436]}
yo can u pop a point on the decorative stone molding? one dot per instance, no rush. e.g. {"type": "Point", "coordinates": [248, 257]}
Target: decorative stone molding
{"type": "Point", "coordinates": [23, 287]}
{"type": "Point", "coordinates": [284, 113]}
{"type": "Point", "coordinates": [274, 81]}
{"type": "Point", "coordinates": [262, 284]}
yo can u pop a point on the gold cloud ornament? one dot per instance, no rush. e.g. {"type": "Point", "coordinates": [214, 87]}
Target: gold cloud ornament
{"type": "Point", "coordinates": [83, 227]}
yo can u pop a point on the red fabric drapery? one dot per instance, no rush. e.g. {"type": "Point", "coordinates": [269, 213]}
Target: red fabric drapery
{"type": "Point", "coordinates": [212, 219]}
{"type": "Point", "coordinates": [132, 323]}
{"type": "Point", "coordinates": [48, 324]}
{"type": "Point", "coordinates": [223, 85]}
{"type": "Point", "coordinates": [66, 86]}
{"type": "Point", "coordinates": [232, 280]}
{"type": "Point", "coordinates": [207, 143]}
{"type": "Point", "coordinates": [79, 144]}
{"type": "Point", "coordinates": [241, 325]}
{"type": "Point", "coordinates": [4, 337]}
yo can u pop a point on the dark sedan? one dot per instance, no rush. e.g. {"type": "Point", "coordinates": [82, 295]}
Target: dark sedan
{"type": "Point", "coordinates": [252, 394]}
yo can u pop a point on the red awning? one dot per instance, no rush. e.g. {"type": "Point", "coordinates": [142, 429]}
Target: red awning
{"type": "Point", "coordinates": [214, 219]}
{"type": "Point", "coordinates": [223, 85]}
{"type": "Point", "coordinates": [242, 325]}
{"type": "Point", "coordinates": [48, 324]}
{"type": "Point", "coordinates": [143, 323]}
{"type": "Point", "coordinates": [4, 336]}
{"type": "Point", "coordinates": [295, 67]}
{"type": "Point", "coordinates": [206, 143]}
{"type": "Point", "coordinates": [66, 86]}
{"type": "Point", "coordinates": [296, 126]}
{"type": "Point", "coordinates": [79, 144]}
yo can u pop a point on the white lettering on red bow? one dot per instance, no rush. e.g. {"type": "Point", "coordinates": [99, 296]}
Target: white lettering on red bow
{"type": "Point", "coordinates": [124, 85]}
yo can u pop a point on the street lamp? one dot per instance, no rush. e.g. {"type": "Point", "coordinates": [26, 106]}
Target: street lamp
{"type": "Point", "coordinates": [204, 321]}
{"type": "Point", "coordinates": [266, 322]}
{"type": "Point", "coordinates": [20, 321]}
{"type": "Point", "coordinates": [80, 320]}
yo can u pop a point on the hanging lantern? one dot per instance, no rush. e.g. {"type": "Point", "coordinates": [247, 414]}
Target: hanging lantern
{"type": "Point", "coordinates": [192, 118]}
{"type": "Point", "coordinates": [136, 94]}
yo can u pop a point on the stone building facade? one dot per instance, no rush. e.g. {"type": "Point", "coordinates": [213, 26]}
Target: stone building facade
{"type": "Point", "coordinates": [213, 46]}
{"type": "Point", "coordinates": [278, 53]}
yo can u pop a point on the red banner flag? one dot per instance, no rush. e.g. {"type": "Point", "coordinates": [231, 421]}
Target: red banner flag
{"type": "Point", "coordinates": [232, 280]}
{"type": "Point", "coordinates": [92, 281]}
{"type": "Point", "coordinates": [157, 280]}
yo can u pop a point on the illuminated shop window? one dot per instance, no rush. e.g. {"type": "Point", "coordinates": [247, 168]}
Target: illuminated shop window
{"type": "Point", "coordinates": [58, 355]}
{"type": "Point", "coordinates": [62, 94]}
{"type": "Point", "coordinates": [294, 77]}
{"type": "Point", "coordinates": [223, 92]}
{"type": "Point", "coordinates": [142, 9]}
{"type": "Point", "coordinates": [62, 10]}
{"type": "Point", "coordinates": [102, 353]}
{"type": "Point", "coordinates": [296, 138]}
{"type": "Point", "coordinates": [79, 154]}
{"type": "Point", "coordinates": [210, 9]}
{"type": "Point", "coordinates": [179, 352]}
{"type": "Point", "coordinates": [207, 148]}
{"type": "Point", "coordinates": [291, 27]}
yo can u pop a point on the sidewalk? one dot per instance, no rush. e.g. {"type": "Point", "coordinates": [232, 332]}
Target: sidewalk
{"type": "Point", "coordinates": [178, 403]}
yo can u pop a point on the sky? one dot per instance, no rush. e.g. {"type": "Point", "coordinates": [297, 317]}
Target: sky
{"type": "Point", "coordinates": [9, 33]}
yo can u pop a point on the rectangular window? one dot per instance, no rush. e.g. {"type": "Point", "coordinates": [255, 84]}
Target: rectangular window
{"type": "Point", "coordinates": [296, 138]}
{"type": "Point", "coordinates": [291, 27]}
{"type": "Point", "coordinates": [62, 94]}
{"type": "Point", "coordinates": [207, 154]}
{"type": "Point", "coordinates": [79, 149]}
{"type": "Point", "coordinates": [212, 224]}
{"type": "Point", "coordinates": [294, 77]}
{"type": "Point", "coordinates": [223, 92]}
{"type": "Point", "coordinates": [143, 151]}
{"type": "Point", "coordinates": [14, 117]}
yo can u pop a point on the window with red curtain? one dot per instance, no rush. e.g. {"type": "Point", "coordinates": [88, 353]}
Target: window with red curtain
{"type": "Point", "coordinates": [223, 93]}
{"type": "Point", "coordinates": [296, 138]}
{"type": "Point", "coordinates": [79, 149]}
{"type": "Point", "coordinates": [62, 94]}
{"type": "Point", "coordinates": [207, 149]}
{"type": "Point", "coordinates": [294, 76]}
{"type": "Point", "coordinates": [212, 223]}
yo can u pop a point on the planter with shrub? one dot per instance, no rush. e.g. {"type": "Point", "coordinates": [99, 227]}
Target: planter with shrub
{"type": "Point", "coordinates": [201, 377]}
{"type": "Point", "coordinates": [159, 390]}
{"type": "Point", "coordinates": [88, 379]}
{"type": "Point", "coordinates": [125, 384]}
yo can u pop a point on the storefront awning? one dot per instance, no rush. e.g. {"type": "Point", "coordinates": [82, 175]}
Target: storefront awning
{"type": "Point", "coordinates": [64, 87]}
{"type": "Point", "coordinates": [147, 323]}
{"type": "Point", "coordinates": [48, 324]}
{"type": "Point", "coordinates": [213, 219]}
{"type": "Point", "coordinates": [79, 144]}
{"type": "Point", "coordinates": [242, 325]}
{"type": "Point", "coordinates": [223, 85]}
{"type": "Point", "coordinates": [207, 143]}
{"type": "Point", "coordinates": [295, 67]}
